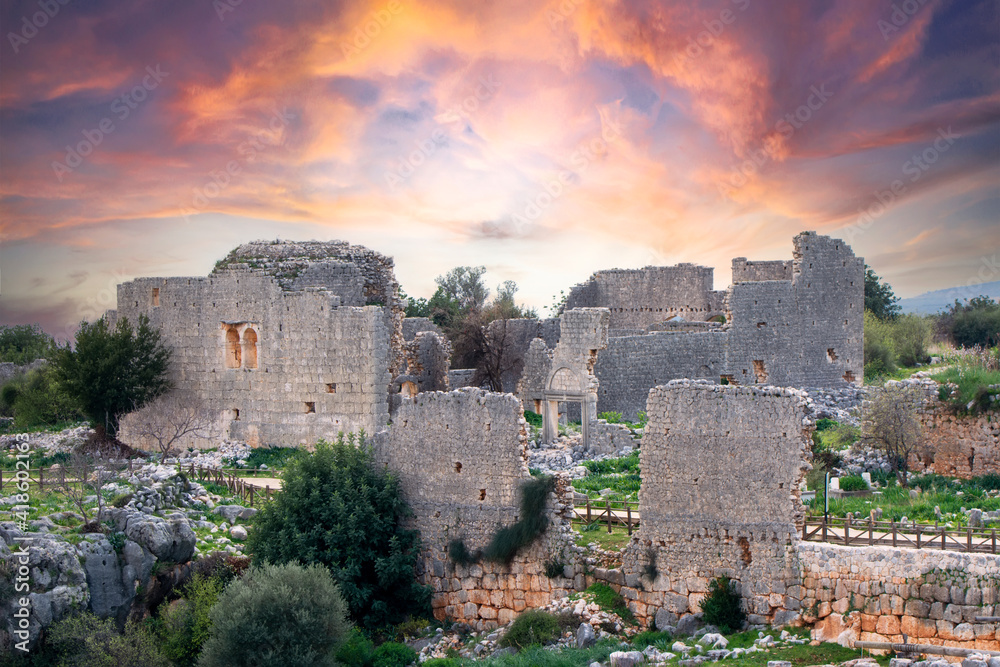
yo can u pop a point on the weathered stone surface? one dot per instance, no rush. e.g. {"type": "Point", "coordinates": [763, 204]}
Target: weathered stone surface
{"type": "Point", "coordinates": [585, 636]}
{"type": "Point", "coordinates": [167, 539]}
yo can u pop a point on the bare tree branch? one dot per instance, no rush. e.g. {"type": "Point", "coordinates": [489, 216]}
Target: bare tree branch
{"type": "Point", "coordinates": [890, 424]}
{"type": "Point", "coordinates": [167, 422]}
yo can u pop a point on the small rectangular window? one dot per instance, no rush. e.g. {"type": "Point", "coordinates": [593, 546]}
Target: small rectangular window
{"type": "Point", "coordinates": [156, 297]}
{"type": "Point", "coordinates": [331, 388]}
{"type": "Point", "coordinates": [310, 407]}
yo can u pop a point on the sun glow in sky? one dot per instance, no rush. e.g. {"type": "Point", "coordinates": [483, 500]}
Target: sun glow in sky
{"type": "Point", "coordinates": [545, 140]}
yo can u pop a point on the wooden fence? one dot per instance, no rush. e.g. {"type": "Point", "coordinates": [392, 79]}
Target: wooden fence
{"type": "Point", "coordinates": [40, 478]}
{"type": "Point", "coordinates": [248, 493]}
{"type": "Point", "coordinates": [851, 532]}
{"type": "Point", "coordinates": [610, 512]}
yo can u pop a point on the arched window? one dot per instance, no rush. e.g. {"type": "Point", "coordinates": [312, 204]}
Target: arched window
{"type": "Point", "coordinates": [249, 348]}
{"type": "Point", "coordinates": [409, 389]}
{"type": "Point", "coordinates": [233, 353]}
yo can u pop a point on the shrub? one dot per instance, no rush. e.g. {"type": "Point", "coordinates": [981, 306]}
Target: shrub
{"type": "Point", "coordinates": [611, 417]}
{"type": "Point", "coordinates": [722, 606]}
{"type": "Point", "coordinates": [879, 359]}
{"type": "Point", "coordinates": [651, 637]}
{"type": "Point", "coordinates": [186, 624]}
{"type": "Point", "coordinates": [392, 654]}
{"type": "Point", "coordinates": [533, 418]}
{"type": "Point", "coordinates": [531, 627]}
{"type": "Point", "coordinates": [853, 483]}
{"type": "Point", "coordinates": [277, 615]}
{"type": "Point", "coordinates": [553, 569]}
{"type": "Point", "coordinates": [84, 640]}
{"type": "Point", "coordinates": [607, 599]}
{"type": "Point", "coordinates": [413, 627]}
{"type": "Point", "coordinates": [356, 651]}
{"type": "Point", "coordinates": [441, 662]}
{"type": "Point", "coordinates": [38, 400]}
{"type": "Point", "coordinates": [23, 343]}
{"type": "Point", "coordinates": [509, 540]}
{"type": "Point", "coordinates": [337, 509]}
{"type": "Point", "coordinates": [911, 334]}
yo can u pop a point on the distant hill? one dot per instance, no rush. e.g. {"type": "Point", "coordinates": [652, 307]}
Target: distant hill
{"type": "Point", "coordinates": [938, 300]}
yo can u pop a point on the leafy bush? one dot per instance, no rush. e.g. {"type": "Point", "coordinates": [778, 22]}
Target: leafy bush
{"type": "Point", "coordinates": [879, 358]}
{"type": "Point", "coordinates": [23, 343]}
{"type": "Point", "coordinates": [392, 654]}
{"type": "Point", "coordinates": [650, 638]}
{"type": "Point", "coordinates": [722, 606]}
{"type": "Point", "coordinates": [337, 509]}
{"type": "Point", "coordinates": [531, 627]}
{"type": "Point", "coordinates": [911, 334]}
{"type": "Point", "coordinates": [37, 400]}
{"type": "Point", "coordinates": [611, 417]}
{"type": "Point", "coordinates": [413, 627]}
{"type": "Point", "coordinates": [113, 371]}
{"type": "Point", "coordinates": [83, 640]}
{"type": "Point", "coordinates": [273, 457]}
{"type": "Point", "coordinates": [441, 662]}
{"type": "Point", "coordinates": [853, 483]}
{"type": "Point", "coordinates": [277, 615]}
{"type": "Point", "coordinates": [972, 383]}
{"type": "Point", "coordinates": [185, 624]}
{"type": "Point", "coordinates": [607, 599]}
{"type": "Point", "coordinates": [974, 322]}
{"type": "Point", "coordinates": [533, 418]}
{"type": "Point", "coordinates": [356, 651]}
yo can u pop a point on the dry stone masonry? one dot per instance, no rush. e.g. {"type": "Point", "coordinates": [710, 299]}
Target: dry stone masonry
{"type": "Point", "coordinates": [461, 459]}
{"type": "Point", "coordinates": [721, 468]}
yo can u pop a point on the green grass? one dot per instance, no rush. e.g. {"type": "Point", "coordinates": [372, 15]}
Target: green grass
{"type": "Point", "coordinates": [621, 475]}
{"type": "Point", "coordinates": [936, 490]}
{"type": "Point", "coordinates": [972, 383]}
{"type": "Point", "coordinates": [607, 599]}
{"type": "Point", "coordinates": [613, 541]}
{"type": "Point", "coordinates": [45, 428]}
{"type": "Point", "coordinates": [36, 459]}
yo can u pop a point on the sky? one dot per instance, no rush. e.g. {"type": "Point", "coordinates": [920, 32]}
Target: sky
{"type": "Point", "coordinates": [544, 140]}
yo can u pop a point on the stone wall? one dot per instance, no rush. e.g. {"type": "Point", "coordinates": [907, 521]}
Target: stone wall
{"type": "Point", "coordinates": [278, 366]}
{"type": "Point", "coordinates": [958, 445]}
{"type": "Point", "coordinates": [721, 468]}
{"type": "Point", "coordinates": [516, 336]}
{"type": "Point", "coordinates": [461, 458]}
{"type": "Point", "coordinates": [461, 377]}
{"type": "Point", "coordinates": [414, 325]}
{"type": "Point", "coordinates": [747, 271]}
{"type": "Point", "coordinates": [639, 298]}
{"type": "Point", "coordinates": [880, 593]}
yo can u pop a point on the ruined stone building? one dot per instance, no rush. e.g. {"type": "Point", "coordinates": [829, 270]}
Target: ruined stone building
{"type": "Point", "coordinates": [787, 323]}
{"type": "Point", "coordinates": [285, 342]}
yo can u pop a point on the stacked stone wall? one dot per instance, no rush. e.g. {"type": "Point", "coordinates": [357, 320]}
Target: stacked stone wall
{"type": "Point", "coordinates": [958, 445]}
{"type": "Point", "coordinates": [721, 468]}
{"type": "Point", "coordinates": [880, 594]}
{"type": "Point", "coordinates": [320, 367]}
{"type": "Point", "coordinates": [461, 459]}
{"type": "Point", "coordinates": [414, 325]}
{"type": "Point", "coordinates": [639, 298]}
{"type": "Point", "coordinates": [747, 271]}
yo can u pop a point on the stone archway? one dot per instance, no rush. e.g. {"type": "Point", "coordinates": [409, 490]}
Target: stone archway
{"type": "Point", "coordinates": [249, 348]}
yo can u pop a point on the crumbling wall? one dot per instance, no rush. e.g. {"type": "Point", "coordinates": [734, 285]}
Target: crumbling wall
{"type": "Point", "coordinates": [631, 365]}
{"type": "Point", "coordinates": [638, 298]}
{"type": "Point", "coordinates": [414, 325]}
{"type": "Point", "coordinates": [881, 593]}
{"type": "Point", "coordinates": [461, 459]}
{"type": "Point", "coordinates": [958, 445]}
{"type": "Point", "coordinates": [279, 367]}
{"type": "Point", "coordinates": [747, 271]}
{"type": "Point", "coordinates": [427, 361]}
{"type": "Point", "coordinates": [461, 377]}
{"type": "Point", "coordinates": [514, 337]}
{"type": "Point", "coordinates": [721, 467]}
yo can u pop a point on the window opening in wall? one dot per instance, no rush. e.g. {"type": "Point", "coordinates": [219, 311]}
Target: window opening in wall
{"type": "Point", "coordinates": [249, 348]}
{"type": "Point", "coordinates": [849, 376]}
{"type": "Point", "coordinates": [831, 356]}
{"type": "Point", "coordinates": [760, 371]}
{"type": "Point", "coordinates": [236, 414]}
{"type": "Point", "coordinates": [331, 388]}
{"type": "Point", "coordinates": [538, 404]}
{"type": "Point", "coordinates": [310, 407]}
{"type": "Point", "coordinates": [233, 353]}
{"type": "Point", "coordinates": [761, 325]}
{"type": "Point", "coordinates": [482, 494]}
{"type": "Point", "coordinates": [409, 390]}
{"type": "Point", "coordinates": [458, 466]}
{"type": "Point", "coordinates": [156, 297]}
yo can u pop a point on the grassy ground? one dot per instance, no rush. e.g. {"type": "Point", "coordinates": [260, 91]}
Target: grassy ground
{"type": "Point", "coordinates": [972, 383]}
{"type": "Point", "coordinates": [621, 475]}
{"type": "Point", "coordinates": [614, 541]}
{"type": "Point", "coordinates": [950, 495]}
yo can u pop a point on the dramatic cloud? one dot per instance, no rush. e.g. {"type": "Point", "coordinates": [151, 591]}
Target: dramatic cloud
{"type": "Point", "coordinates": [543, 140]}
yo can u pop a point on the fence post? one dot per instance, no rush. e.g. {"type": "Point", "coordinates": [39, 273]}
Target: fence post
{"type": "Point", "coordinates": [847, 531]}
{"type": "Point", "coordinates": [969, 529]}
{"type": "Point", "coordinates": [893, 533]}
{"type": "Point", "coordinates": [871, 528]}
{"type": "Point", "coordinates": [628, 514]}
{"type": "Point", "coordinates": [607, 505]}
{"type": "Point", "coordinates": [825, 538]}
{"type": "Point", "coordinates": [41, 480]}
{"type": "Point", "coordinates": [588, 510]}
{"type": "Point", "coordinates": [942, 539]}
{"type": "Point", "coordinates": [918, 536]}
{"type": "Point", "coordinates": [1, 481]}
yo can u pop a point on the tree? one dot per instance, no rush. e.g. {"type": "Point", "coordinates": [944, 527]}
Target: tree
{"type": "Point", "coordinates": [23, 343]}
{"type": "Point", "coordinates": [974, 322]}
{"type": "Point", "coordinates": [490, 338]}
{"type": "Point", "coordinates": [337, 509]}
{"type": "Point", "coordinates": [84, 640]}
{"type": "Point", "coordinates": [880, 300]}
{"type": "Point", "coordinates": [465, 285]}
{"type": "Point", "coordinates": [277, 616]}
{"type": "Point", "coordinates": [80, 479]}
{"type": "Point", "coordinates": [890, 424]}
{"type": "Point", "coordinates": [37, 399]}
{"type": "Point", "coordinates": [169, 421]}
{"type": "Point", "coordinates": [113, 371]}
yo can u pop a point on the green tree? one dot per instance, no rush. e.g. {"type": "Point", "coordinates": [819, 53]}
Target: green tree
{"type": "Point", "coordinates": [113, 371]}
{"type": "Point", "coordinates": [336, 508]}
{"type": "Point", "coordinates": [891, 425]}
{"type": "Point", "coordinates": [880, 300]}
{"type": "Point", "coordinates": [186, 624]}
{"type": "Point", "coordinates": [23, 343]}
{"type": "Point", "coordinates": [83, 640]}
{"type": "Point", "coordinates": [974, 322]}
{"type": "Point", "coordinates": [37, 399]}
{"type": "Point", "coordinates": [277, 616]}
{"type": "Point", "coordinates": [465, 285]}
